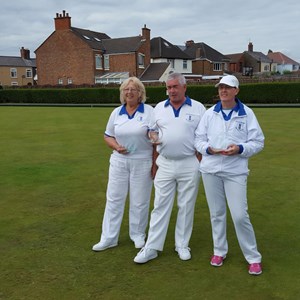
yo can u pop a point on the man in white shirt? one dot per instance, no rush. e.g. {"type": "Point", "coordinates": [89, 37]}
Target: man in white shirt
{"type": "Point", "coordinates": [176, 120]}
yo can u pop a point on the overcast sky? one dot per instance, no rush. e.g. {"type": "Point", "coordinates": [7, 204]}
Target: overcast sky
{"type": "Point", "coordinates": [226, 26]}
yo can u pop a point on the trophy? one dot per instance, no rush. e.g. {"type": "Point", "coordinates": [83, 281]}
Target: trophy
{"type": "Point", "coordinates": [220, 142]}
{"type": "Point", "coordinates": [155, 135]}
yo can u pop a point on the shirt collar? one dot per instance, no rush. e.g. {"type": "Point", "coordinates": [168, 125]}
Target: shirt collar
{"type": "Point", "coordinates": [140, 109]}
{"type": "Point", "coordinates": [187, 101]}
{"type": "Point", "coordinates": [239, 107]}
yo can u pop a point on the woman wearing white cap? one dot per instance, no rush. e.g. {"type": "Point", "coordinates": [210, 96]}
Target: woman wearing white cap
{"type": "Point", "coordinates": [227, 136]}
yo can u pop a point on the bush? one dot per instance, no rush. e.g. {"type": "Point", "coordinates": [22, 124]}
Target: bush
{"type": "Point", "coordinates": [264, 93]}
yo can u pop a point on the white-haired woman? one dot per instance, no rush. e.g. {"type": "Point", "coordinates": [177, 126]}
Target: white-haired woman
{"type": "Point", "coordinates": [130, 166]}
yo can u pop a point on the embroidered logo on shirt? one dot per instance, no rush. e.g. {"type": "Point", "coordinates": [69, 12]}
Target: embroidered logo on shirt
{"type": "Point", "coordinates": [189, 117]}
{"type": "Point", "coordinates": [240, 126]}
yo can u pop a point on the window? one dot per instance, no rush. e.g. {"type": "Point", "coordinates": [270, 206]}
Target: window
{"type": "Point", "coordinates": [106, 62]}
{"type": "Point", "coordinates": [70, 80]}
{"type": "Point", "coordinates": [13, 73]}
{"type": "Point", "coordinates": [98, 61]}
{"type": "Point", "coordinates": [248, 71]}
{"type": "Point", "coordinates": [184, 64]}
{"type": "Point", "coordinates": [141, 60]}
{"type": "Point", "coordinates": [14, 83]}
{"type": "Point", "coordinates": [60, 81]}
{"type": "Point", "coordinates": [28, 73]}
{"type": "Point", "coordinates": [171, 62]}
{"type": "Point", "coordinates": [266, 68]}
{"type": "Point", "coordinates": [217, 67]}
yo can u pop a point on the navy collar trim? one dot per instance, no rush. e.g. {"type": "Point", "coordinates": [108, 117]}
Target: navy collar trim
{"type": "Point", "coordinates": [239, 107]}
{"type": "Point", "coordinates": [187, 101]}
{"type": "Point", "coordinates": [140, 109]}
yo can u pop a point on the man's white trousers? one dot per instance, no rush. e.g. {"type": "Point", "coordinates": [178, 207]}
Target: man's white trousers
{"type": "Point", "coordinates": [173, 175]}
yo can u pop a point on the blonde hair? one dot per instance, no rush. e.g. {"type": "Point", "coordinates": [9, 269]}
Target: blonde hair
{"type": "Point", "coordinates": [138, 85]}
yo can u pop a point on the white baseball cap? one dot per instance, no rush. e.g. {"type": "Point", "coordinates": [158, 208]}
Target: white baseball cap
{"type": "Point", "coordinates": [229, 80]}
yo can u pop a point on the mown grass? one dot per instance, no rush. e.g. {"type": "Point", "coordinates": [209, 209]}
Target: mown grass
{"type": "Point", "coordinates": [53, 170]}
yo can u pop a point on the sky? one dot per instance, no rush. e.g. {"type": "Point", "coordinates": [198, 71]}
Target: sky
{"type": "Point", "coordinates": [227, 26]}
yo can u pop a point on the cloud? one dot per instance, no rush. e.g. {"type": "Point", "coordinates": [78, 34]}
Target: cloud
{"type": "Point", "coordinates": [227, 26]}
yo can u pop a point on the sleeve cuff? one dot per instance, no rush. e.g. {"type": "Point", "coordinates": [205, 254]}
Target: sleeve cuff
{"type": "Point", "coordinates": [241, 149]}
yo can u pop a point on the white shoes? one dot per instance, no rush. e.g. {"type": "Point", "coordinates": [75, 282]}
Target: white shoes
{"type": "Point", "coordinates": [103, 246]}
{"type": "Point", "coordinates": [145, 255]}
{"type": "Point", "coordinates": [184, 253]}
{"type": "Point", "coordinates": [138, 244]}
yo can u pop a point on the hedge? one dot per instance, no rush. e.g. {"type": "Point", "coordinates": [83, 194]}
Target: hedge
{"type": "Point", "coordinates": [264, 93]}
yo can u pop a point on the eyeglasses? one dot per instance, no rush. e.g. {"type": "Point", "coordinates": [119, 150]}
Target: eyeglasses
{"type": "Point", "coordinates": [127, 90]}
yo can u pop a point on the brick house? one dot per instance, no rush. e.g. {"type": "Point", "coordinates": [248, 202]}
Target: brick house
{"type": "Point", "coordinates": [17, 71]}
{"type": "Point", "coordinates": [251, 62]}
{"type": "Point", "coordinates": [207, 61]}
{"type": "Point", "coordinates": [78, 56]}
{"type": "Point", "coordinates": [284, 63]}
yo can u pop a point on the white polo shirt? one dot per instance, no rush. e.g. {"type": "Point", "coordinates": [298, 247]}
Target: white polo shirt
{"type": "Point", "coordinates": [177, 127]}
{"type": "Point", "coordinates": [131, 132]}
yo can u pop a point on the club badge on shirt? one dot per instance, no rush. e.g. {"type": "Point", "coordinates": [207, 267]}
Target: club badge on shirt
{"type": "Point", "coordinates": [190, 117]}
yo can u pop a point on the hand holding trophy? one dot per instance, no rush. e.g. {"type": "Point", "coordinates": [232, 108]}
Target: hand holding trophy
{"type": "Point", "coordinates": [154, 137]}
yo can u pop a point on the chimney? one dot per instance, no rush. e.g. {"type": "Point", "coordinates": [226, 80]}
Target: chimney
{"type": "Point", "coordinates": [250, 47]}
{"type": "Point", "coordinates": [146, 33]}
{"type": "Point", "coordinates": [146, 40]}
{"type": "Point", "coordinates": [25, 53]}
{"type": "Point", "coordinates": [62, 21]}
{"type": "Point", "coordinates": [189, 43]}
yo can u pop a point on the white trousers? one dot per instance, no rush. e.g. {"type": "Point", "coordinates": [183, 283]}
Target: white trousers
{"type": "Point", "coordinates": [173, 175]}
{"type": "Point", "coordinates": [234, 189]}
{"type": "Point", "coordinates": [133, 175]}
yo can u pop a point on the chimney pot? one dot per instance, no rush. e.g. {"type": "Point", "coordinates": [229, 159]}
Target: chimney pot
{"type": "Point", "coordinates": [189, 43]}
{"type": "Point", "coordinates": [62, 21]}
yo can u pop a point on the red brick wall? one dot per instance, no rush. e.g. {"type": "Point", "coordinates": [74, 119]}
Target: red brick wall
{"type": "Point", "coordinates": [64, 55]}
{"type": "Point", "coordinates": [123, 63]}
{"type": "Point", "coordinates": [204, 67]}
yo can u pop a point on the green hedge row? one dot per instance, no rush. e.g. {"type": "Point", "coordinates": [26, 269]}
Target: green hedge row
{"type": "Point", "coordinates": [264, 93]}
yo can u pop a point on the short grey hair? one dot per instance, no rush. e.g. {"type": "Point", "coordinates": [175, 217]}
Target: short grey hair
{"type": "Point", "coordinates": [177, 76]}
{"type": "Point", "coordinates": [138, 85]}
